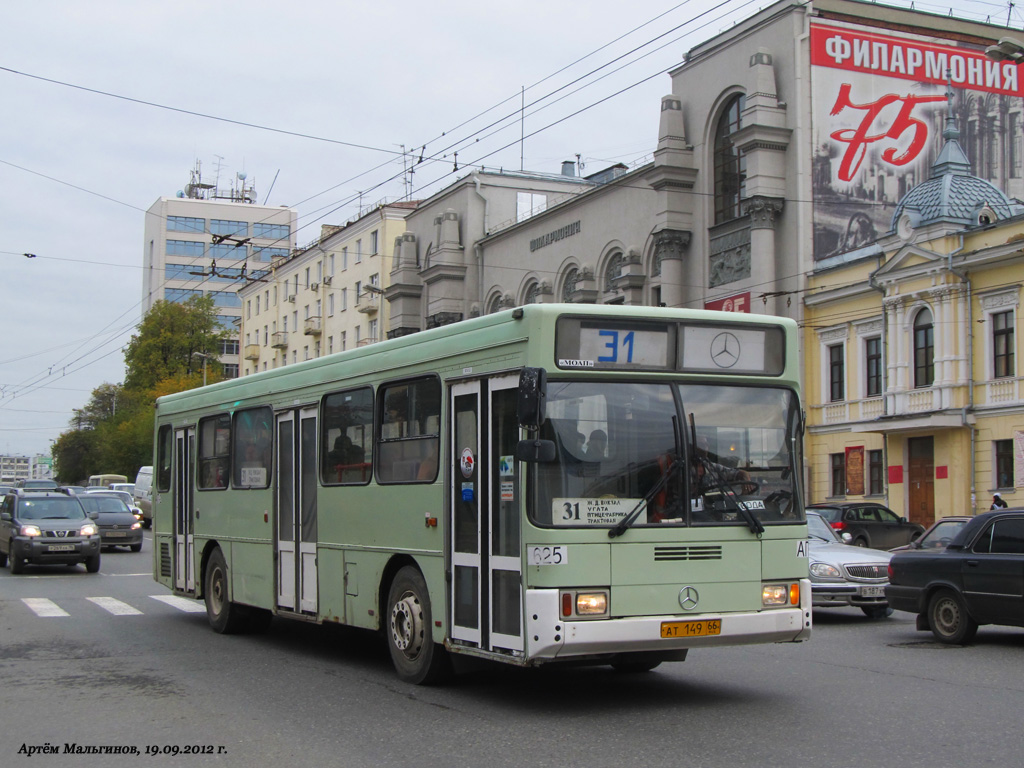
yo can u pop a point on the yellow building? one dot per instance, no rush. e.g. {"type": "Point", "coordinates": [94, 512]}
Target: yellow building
{"type": "Point", "coordinates": [913, 396]}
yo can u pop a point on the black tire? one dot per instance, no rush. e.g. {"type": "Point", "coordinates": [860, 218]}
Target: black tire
{"type": "Point", "coordinates": [3, 560]}
{"type": "Point", "coordinates": [860, 542]}
{"type": "Point", "coordinates": [949, 620]}
{"type": "Point", "coordinates": [136, 547]}
{"type": "Point", "coordinates": [17, 563]}
{"type": "Point", "coordinates": [877, 611]}
{"type": "Point", "coordinates": [225, 617]}
{"type": "Point", "coordinates": [92, 565]}
{"type": "Point", "coordinates": [408, 623]}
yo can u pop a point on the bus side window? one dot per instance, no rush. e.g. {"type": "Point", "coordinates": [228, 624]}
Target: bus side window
{"type": "Point", "coordinates": [409, 441]}
{"type": "Point", "coordinates": [214, 452]}
{"type": "Point", "coordinates": [346, 448]}
{"type": "Point", "coordinates": [164, 452]}
{"type": "Point", "coordinates": [253, 448]}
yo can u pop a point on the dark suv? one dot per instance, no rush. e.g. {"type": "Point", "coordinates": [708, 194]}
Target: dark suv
{"type": "Point", "coordinates": [869, 524]}
{"type": "Point", "coordinates": [47, 527]}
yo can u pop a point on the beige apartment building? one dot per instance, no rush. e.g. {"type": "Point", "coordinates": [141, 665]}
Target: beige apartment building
{"type": "Point", "coordinates": [326, 297]}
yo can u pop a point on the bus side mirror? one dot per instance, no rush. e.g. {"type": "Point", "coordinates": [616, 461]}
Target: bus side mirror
{"type": "Point", "coordinates": [536, 451]}
{"type": "Point", "coordinates": [533, 392]}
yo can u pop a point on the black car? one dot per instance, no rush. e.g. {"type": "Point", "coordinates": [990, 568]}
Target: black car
{"type": "Point", "coordinates": [977, 579]}
{"type": "Point", "coordinates": [869, 524]}
{"type": "Point", "coordinates": [47, 527]}
{"type": "Point", "coordinates": [119, 526]}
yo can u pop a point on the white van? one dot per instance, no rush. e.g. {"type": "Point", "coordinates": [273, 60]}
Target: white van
{"type": "Point", "coordinates": [144, 494]}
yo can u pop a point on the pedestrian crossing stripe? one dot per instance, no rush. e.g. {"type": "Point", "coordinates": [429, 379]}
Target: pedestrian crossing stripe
{"type": "Point", "coordinates": [47, 609]}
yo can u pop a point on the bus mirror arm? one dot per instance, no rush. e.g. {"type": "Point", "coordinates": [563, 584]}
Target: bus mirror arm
{"type": "Point", "coordinates": [536, 451]}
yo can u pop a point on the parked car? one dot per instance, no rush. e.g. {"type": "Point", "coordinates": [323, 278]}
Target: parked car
{"type": "Point", "coordinates": [144, 494]}
{"type": "Point", "coordinates": [977, 579]}
{"type": "Point", "coordinates": [37, 485]}
{"type": "Point", "coordinates": [47, 528]}
{"type": "Point", "coordinates": [842, 575]}
{"type": "Point", "coordinates": [939, 535]}
{"type": "Point", "coordinates": [869, 524]}
{"type": "Point", "coordinates": [119, 526]}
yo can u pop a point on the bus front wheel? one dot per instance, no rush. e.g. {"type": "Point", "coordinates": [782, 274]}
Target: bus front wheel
{"type": "Point", "coordinates": [417, 658]}
{"type": "Point", "coordinates": [225, 617]}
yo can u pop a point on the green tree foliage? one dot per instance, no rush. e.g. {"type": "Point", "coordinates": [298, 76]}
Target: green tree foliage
{"type": "Point", "coordinates": [170, 341]}
{"type": "Point", "coordinates": [113, 432]}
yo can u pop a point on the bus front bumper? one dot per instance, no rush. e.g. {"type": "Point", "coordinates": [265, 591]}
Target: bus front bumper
{"type": "Point", "coordinates": [549, 637]}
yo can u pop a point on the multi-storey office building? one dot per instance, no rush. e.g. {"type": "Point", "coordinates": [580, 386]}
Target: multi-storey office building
{"type": "Point", "coordinates": [212, 241]}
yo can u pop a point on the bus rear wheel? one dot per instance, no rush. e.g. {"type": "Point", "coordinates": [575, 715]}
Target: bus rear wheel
{"type": "Point", "coordinates": [225, 617]}
{"type": "Point", "coordinates": [417, 658]}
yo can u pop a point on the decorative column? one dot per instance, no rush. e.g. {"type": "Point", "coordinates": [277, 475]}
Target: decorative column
{"type": "Point", "coordinates": [670, 249]}
{"type": "Point", "coordinates": [762, 211]}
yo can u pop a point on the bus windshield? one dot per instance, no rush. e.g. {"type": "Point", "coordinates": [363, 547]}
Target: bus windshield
{"type": "Point", "coordinates": [668, 454]}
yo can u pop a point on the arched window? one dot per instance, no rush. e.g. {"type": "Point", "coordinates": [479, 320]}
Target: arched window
{"type": "Point", "coordinates": [730, 165]}
{"type": "Point", "coordinates": [532, 293]}
{"type": "Point", "coordinates": [924, 349]}
{"type": "Point", "coordinates": [571, 279]}
{"type": "Point", "coordinates": [611, 271]}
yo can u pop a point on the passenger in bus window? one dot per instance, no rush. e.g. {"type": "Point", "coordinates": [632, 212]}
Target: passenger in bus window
{"type": "Point", "coordinates": [707, 475]}
{"type": "Point", "coordinates": [596, 445]}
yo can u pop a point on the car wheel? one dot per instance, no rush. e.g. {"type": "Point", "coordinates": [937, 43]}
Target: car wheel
{"type": "Point", "coordinates": [877, 611]}
{"type": "Point", "coordinates": [417, 658]}
{"type": "Point", "coordinates": [3, 560]}
{"type": "Point", "coordinates": [860, 542]}
{"type": "Point", "coordinates": [225, 617]}
{"type": "Point", "coordinates": [92, 565]}
{"type": "Point", "coordinates": [949, 620]}
{"type": "Point", "coordinates": [17, 563]}
{"type": "Point", "coordinates": [136, 547]}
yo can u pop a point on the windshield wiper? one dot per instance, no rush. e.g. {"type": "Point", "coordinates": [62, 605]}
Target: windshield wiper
{"type": "Point", "coordinates": [621, 526]}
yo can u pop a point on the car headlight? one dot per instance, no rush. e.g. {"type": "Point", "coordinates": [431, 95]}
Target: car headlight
{"type": "Point", "coordinates": [825, 571]}
{"type": "Point", "coordinates": [30, 530]}
{"type": "Point", "coordinates": [88, 530]}
{"type": "Point", "coordinates": [136, 526]}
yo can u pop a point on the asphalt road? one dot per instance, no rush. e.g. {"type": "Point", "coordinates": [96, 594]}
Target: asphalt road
{"type": "Point", "coordinates": [135, 671]}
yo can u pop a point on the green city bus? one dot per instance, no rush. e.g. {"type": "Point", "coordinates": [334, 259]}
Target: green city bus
{"type": "Point", "coordinates": [584, 483]}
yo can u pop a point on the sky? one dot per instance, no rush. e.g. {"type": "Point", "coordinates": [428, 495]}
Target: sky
{"type": "Point", "coordinates": [108, 105]}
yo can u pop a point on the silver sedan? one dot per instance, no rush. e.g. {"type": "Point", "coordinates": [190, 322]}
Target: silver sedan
{"type": "Point", "coordinates": [844, 575]}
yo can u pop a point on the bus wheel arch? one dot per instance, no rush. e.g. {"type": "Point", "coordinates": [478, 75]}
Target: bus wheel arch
{"type": "Point", "coordinates": [407, 622]}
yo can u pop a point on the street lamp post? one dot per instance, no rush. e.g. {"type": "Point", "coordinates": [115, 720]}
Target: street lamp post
{"type": "Point", "coordinates": [205, 358]}
{"type": "Point", "coordinates": [1007, 49]}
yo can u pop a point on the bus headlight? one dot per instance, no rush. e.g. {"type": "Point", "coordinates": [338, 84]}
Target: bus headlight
{"type": "Point", "coordinates": [591, 603]}
{"type": "Point", "coordinates": [774, 594]}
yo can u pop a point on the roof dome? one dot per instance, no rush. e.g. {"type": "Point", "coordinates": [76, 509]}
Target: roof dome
{"type": "Point", "coordinates": [952, 195]}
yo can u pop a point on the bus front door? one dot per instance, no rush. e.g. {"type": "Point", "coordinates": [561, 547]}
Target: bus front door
{"type": "Point", "coordinates": [295, 504]}
{"type": "Point", "coordinates": [184, 510]}
{"type": "Point", "coordinates": [486, 586]}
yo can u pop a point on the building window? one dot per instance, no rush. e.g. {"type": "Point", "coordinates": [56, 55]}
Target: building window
{"type": "Point", "coordinates": [225, 299]}
{"type": "Point", "coordinates": [180, 295]}
{"type": "Point", "coordinates": [1002, 344]}
{"type": "Point", "coordinates": [229, 228]}
{"type": "Point", "coordinates": [330, 305]}
{"type": "Point", "coordinates": [192, 248]}
{"type": "Point", "coordinates": [272, 231]}
{"type": "Point", "coordinates": [359, 251]}
{"type": "Point", "coordinates": [230, 370]}
{"type": "Point", "coordinates": [924, 350]}
{"type": "Point", "coordinates": [178, 272]}
{"type": "Point", "coordinates": [373, 243]}
{"type": "Point", "coordinates": [838, 468]}
{"type": "Point", "coordinates": [529, 204]}
{"type": "Point", "coordinates": [1004, 463]}
{"type": "Point", "coordinates": [836, 373]}
{"type": "Point", "coordinates": [185, 224]}
{"type": "Point", "coordinates": [873, 362]}
{"type": "Point", "coordinates": [269, 254]}
{"type": "Point", "coordinates": [1015, 144]}
{"type": "Point", "coordinates": [875, 473]}
{"type": "Point", "coordinates": [344, 258]}
{"type": "Point", "coordinates": [229, 346]}
{"type": "Point", "coordinates": [729, 164]}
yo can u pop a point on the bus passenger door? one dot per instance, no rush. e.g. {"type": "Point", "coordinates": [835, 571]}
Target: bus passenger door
{"type": "Point", "coordinates": [485, 524]}
{"type": "Point", "coordinates": [295, 504]}
{"type": "Point", "coordinates": [182, 490]}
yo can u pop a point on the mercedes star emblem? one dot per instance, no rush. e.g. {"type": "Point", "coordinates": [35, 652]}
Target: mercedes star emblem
{"type": "Point", "coordinates": [725, 350]}
{"type": "Point", "coordinates": [688, 598]}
